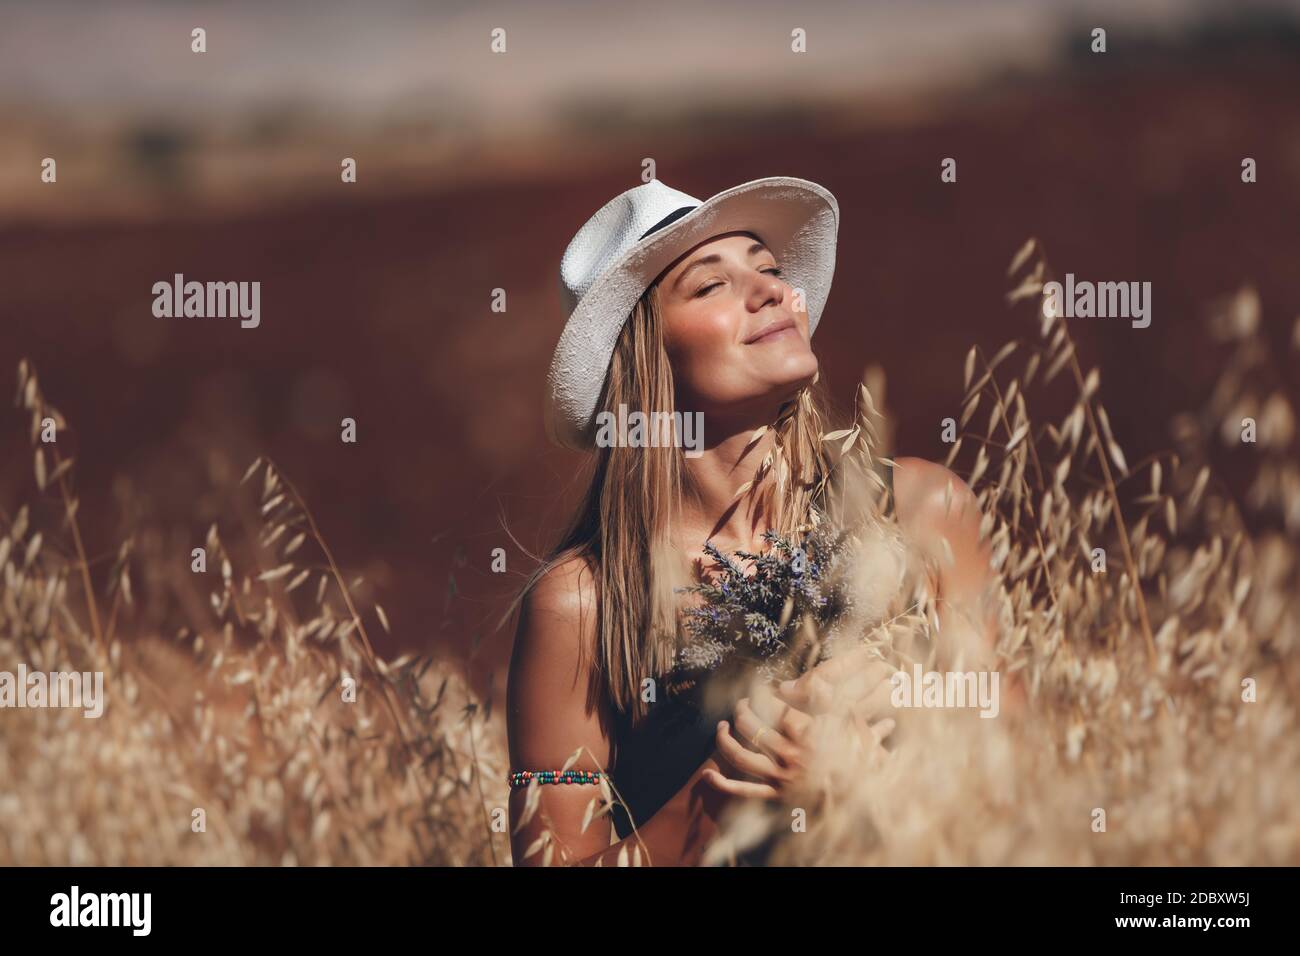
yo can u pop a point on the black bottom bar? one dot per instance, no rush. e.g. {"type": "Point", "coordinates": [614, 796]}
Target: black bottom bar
{"type": "Point", "coordinates": [370, 905]}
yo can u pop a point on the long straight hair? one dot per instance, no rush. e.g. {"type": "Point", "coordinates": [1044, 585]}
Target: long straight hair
{"type": "Point", "coordinates": [623, 527]}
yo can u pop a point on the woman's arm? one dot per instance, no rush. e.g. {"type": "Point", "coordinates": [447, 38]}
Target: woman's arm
{"type": "Point", "coordinates": [548, 719]}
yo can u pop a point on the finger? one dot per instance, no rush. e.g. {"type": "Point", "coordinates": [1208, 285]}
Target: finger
{"type": "Point", "coordinates": [788, 720]}
{"type": "Point", "coordinates": [797, 688]}
{"type": "Point", "coordinates": [795, 724]}
{"type": "Point", "coordinates": [846, 663]}
{"type": "Point", "coordinates": [876, 748]}
{"type": "Point", "coordinates": [864, 681]}
{"type": "Point", "coordinates": [809, 693]}
{"type": "Point", "coordinates": [821, 693]}
{"type": "Point", "coordinates": [856, 690]}
{"type": "Point", "coordinates": [878, 703]}
{"type": "Point", "coordinates": [738, 788]}
{"type": "Point", "coordinates": [744, 759]}
{"type": "Point", "coordinates": [768, 705]}
{"type": "Point", "coordinates": [883, 728]}
{"type": "Point", "coordinates": [868, 739]}
{"type": "Point", "coordinates": [835, 683]}
{"type": "Point", "coordinates": [769, 740]}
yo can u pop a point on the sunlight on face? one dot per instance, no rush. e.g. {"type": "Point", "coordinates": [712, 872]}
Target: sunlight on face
{"type": "Point", "coordinates": [735, 342]}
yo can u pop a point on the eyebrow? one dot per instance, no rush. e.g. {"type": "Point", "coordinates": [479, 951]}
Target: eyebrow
{"type": "Point", "coordinates": [710, 259]}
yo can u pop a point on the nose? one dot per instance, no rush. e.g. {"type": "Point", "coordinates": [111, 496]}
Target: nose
{"type": "Point", "coordinates": [766, 289]}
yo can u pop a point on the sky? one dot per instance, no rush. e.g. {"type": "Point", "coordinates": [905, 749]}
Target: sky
{"type": "Point", "coordinates": [385, 60]}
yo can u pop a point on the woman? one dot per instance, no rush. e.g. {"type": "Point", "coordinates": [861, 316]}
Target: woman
{"type": "Point", "coordinates": [704, 308]}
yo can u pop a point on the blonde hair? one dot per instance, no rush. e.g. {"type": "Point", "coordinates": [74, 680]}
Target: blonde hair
{"type": "Point", "coordinates": [623, 526]}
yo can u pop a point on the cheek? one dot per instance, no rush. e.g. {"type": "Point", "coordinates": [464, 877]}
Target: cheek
{"type": "Point", "coordinates": [699, 338]}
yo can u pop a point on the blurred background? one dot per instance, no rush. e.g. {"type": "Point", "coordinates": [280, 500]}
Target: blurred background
{"type": "Point", "coordinates": [475, 169]}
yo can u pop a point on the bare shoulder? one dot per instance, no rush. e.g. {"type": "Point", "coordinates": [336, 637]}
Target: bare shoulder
{"type": "Point", "coordinates": [566, 590]}
{"type": "Point", "coordinates": [551, 657]}
{"type": "Point", "coordinates": [557, 620]}
{"type": "Point", "coordinates": [941, 515]}
{"type": "Point", "coordinates": [928, 494]}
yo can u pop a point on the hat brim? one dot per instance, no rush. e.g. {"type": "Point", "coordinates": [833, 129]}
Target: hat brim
{"type": "Point", "coordinates": [797, 219]}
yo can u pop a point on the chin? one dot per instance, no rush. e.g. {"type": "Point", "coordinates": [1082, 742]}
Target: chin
{"type": "Point", "coordinates": [796, 370]}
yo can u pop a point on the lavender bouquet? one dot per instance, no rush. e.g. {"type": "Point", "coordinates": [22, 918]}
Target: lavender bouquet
{"type": "Point", "coordinates": [758, 618]}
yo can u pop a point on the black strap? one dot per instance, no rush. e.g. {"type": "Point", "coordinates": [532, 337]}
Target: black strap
{"type": "Point", "coordinates": [667, 220]}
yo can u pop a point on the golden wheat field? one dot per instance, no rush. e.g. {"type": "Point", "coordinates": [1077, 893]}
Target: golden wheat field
{"type": "Point", "coordinates": [1160, 688]}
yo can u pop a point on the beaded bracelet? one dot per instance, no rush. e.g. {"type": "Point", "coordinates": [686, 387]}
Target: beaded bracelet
{"type": "Point", "coordinates": [523, 777]}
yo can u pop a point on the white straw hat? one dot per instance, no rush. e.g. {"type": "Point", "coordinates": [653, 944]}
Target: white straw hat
{"type": "Point", "coordinates": [632, 238]}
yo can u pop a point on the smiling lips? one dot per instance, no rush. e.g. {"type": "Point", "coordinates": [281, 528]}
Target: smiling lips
{"type": "Point", "coordinates": [770, 331]}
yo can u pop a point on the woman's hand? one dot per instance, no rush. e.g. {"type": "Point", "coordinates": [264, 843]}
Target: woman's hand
{"type": "Point", "coordinates": [854, 684]}
{"type": "Point", "coordinates": [770, 751]}
{"type": "Point", "coordinates": [764, 758]}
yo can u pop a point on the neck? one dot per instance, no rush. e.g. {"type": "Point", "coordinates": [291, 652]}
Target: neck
{"type": "Point", "coordinates": [709, 509]}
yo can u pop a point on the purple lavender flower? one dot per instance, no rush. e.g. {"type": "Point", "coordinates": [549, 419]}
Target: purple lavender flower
{"type": "Point", "coordinates": [741, 613]}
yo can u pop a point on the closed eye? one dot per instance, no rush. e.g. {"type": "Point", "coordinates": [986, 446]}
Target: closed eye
{"type": "Point", "coordinates": [704, 290]}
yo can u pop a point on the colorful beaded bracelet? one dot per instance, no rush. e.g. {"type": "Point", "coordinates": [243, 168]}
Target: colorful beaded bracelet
{"type": "Point", "coordinates": [523, 777]}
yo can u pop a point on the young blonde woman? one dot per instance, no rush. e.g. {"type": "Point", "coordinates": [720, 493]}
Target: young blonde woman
{"type": "Point", "coordinates": [707, 308]}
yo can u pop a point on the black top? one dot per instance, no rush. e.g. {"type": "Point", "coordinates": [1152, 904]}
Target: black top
{"type": "Point", "coordinates": [653, 760]}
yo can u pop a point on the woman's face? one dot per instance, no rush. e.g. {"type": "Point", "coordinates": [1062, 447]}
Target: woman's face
{"type": "Point", "coordinates": [735, 342]}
